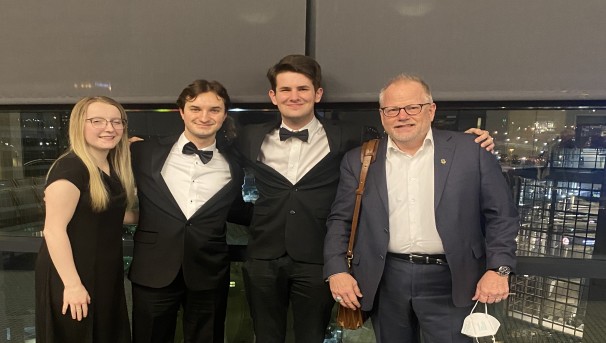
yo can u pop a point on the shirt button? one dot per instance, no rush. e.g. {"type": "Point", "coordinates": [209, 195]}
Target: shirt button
{"type": "Point", "coordinates": [381, 256]}
{"type": "Point", "coordinates": [296, 189]}
{"type": "Point", "coordinates": [292, 212]}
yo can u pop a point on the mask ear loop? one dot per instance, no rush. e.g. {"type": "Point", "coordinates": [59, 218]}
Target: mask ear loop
{"type": "Point", "coordinates": [474, 307]}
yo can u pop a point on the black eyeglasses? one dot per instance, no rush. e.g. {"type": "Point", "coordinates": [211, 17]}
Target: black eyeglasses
{"type": "Point", "coordinates": [411, 110]}
{"type": "Point", "coordinates": [101, 123]}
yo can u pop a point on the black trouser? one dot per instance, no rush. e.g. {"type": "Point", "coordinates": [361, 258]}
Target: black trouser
{"type": "Point", "coordinates": [272, 284]}
{"type": "Point", "coordinates": [155, 312]}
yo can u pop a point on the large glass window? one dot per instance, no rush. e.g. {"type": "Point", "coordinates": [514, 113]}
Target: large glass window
{"type": "Point", "coordinates": [554, 160]}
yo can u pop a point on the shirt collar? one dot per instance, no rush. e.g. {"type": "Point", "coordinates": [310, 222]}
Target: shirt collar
{"type": "Point", "coordinates": [427, 142]}
{"type": "Point", "coordinates": [183, 140]}
{"type": "Point", "coordinates": [312, 127]}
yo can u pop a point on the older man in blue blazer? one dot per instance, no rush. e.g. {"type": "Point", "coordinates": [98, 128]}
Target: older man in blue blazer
{"type": "Point", "coordinates": [437, 225]}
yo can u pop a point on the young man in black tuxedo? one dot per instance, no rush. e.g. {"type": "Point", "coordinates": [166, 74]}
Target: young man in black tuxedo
{"type": "Point", "coordinates": [186, 185]}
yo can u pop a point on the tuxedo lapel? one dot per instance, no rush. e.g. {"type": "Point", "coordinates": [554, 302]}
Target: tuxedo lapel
{"type": "Point", "coordinates": [217, 197]}
{"type": "Point", "coordinates": [237, 179]}
{"type": "Point", "coordinates": [333, 135]}
{"type": "Point", "coordinates": [251, 152]}
{"type": "Point", "coordinates": [158, 159]}
{"type": "Point", "coordinates": [256, 139]}
{"type": "Point", "coordinates": [443, 153]}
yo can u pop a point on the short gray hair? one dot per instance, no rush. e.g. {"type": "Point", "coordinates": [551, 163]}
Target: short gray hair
{"type": "Point", "coordinates": [406, 78]}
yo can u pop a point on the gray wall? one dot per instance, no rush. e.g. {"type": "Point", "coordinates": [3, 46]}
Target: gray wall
{"type": "Point", "coordinates": [146, 51]}
{"type": "Point", "coordinates": [141, 51]}
{"type": "Point", "coordinates": [465, 49]}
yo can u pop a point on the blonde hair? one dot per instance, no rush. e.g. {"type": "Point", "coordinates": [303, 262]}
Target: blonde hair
{"type": "Point", "coordinates": [119, 156]}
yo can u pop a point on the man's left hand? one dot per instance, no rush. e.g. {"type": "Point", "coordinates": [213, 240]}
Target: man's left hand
{"type": "Point", "coordinates": [492, 288]}
{"type": "Point", "coordinates": [484, 137]}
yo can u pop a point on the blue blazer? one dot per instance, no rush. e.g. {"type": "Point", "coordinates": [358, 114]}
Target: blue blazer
{"type": "Point", "coordinates": [475, 214]}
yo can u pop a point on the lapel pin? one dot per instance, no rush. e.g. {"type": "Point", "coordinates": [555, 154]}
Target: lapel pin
{"type": "Point", "coordinates": [443, 161]}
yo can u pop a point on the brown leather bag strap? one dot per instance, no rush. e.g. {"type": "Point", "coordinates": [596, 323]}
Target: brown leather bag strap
{"type": "Point", "coordinates": [368, 156]}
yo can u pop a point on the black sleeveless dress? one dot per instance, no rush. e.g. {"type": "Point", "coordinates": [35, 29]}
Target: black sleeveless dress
{"type": "Point", "coordinates": [96, 241]}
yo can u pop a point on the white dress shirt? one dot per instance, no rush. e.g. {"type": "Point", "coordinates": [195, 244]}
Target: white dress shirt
{"type": "Point", "coordinates": [410, 189]}
{"type": "Point", "coordinates": [191, 182]}
{"type": "Point", "coordinates": [294, 158]}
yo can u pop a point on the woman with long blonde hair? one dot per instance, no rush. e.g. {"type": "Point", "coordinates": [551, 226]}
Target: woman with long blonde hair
{"type": "Point", "coordinates": [79, 273]}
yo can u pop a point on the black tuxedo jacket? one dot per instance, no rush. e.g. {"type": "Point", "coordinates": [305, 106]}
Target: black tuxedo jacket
{"type": "Point", "coordinates": [291, 219]}
{"type": "Point", "coordinates": [165, 241]}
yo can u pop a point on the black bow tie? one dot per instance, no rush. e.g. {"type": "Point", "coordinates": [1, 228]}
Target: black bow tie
{"type": "Point", "coordinates": [286, 134]}
{"type": "Point", "coordinates": [190, 149]}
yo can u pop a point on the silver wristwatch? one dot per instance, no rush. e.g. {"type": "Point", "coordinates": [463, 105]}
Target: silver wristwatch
{"type": "Point", "coordinates": [503, 270]}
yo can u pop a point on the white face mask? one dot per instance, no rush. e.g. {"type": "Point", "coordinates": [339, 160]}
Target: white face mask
{"type": "Point", "coordinates": [480, 324]}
